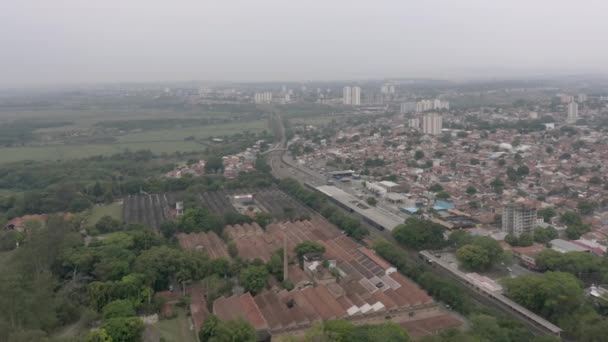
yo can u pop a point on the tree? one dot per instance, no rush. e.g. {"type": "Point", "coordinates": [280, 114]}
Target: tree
{"type": "Point", "coordinates": [263, 219]}
{"type": "Point", "coordinates": [124, 329]}
{"type": "Point", "coordinates": [371, 201]}
{"type": "Point", "coordinates": [309, 247]}
{"type": "Point", "coordinates": [553, 295]}
{"type": "Point", "coordinates": [214, 164]}
{"type": "Point", "coordinates": [544, 235]}
{"type": "Point", "coordinates": [586, 207]}
{"type": "Point", "coordinates": [474, 161]}
{"type": "Point", "coordinates": [595, 180]}
{"type": "Point", "coordinates": [254, 278]}
{"type": "Point", "coordinates": [108, 224]}
{"type": "Point", "coordinates": [525, 240]}
{"type": "Point", "coordinates": [419, 234]}
{"type": "Point", "coordinates": [98, 335]}
{"type": "Point", "coordinates": [209, 328]}
{"type": "Point", "coordinates": [233, 250]}
{"type": "Point", "coordinates": [418, 155]}
{"type": "Point", "coordinates": [547, 213]}
{"type": "Point", "coordinates": [436, 187]}
{"type": "Point", "coordinates": [471, 191]}
{"type": "Point", "coordinates": [118, 309]}
{"type": "Point", "coordinates": [474, 257]}
{"type": "Point", "coordinates": [275, 264]}
{"type": "Point", "coordinates": [511, 239]}
{"type": "Point", "coordinates": [233, 331]}
{"type": "Point", "coordinates": [442, 195]}
{"type": "Point", "coordinates": [523, 171]}
{"type": "Point", "coordinates": [460, 238]}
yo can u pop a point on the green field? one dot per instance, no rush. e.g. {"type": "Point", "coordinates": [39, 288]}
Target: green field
{"type": "Point", "coordinates": [57, 152]}
{"type": "Point", "coordinates": [159, 141]}
{"type": "Point", "coordinates": [176, 329]}
{"type": "Point", "coordinates": [201, 132]}
{"type": "Point", "coordinates": [5, 258]}
{"type": "Point", "coordinates": [114, 210]}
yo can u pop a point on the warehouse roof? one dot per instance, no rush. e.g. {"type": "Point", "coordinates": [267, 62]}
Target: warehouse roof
{"type": "Point", "coordinates": [381, 217]}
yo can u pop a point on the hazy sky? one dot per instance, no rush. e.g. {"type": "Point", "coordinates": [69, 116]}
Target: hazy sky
{"type": "Point", "coordinates": [67, 41]}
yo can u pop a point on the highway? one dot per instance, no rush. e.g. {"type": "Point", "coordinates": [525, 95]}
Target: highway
{"type": "Point", "coordinates": [283, 168]}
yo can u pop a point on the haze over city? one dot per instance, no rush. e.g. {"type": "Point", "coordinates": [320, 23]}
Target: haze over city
{"type": "Point", "coordinates": [71, 41]}
{"type": "Point", "coordinates": [303, 171]}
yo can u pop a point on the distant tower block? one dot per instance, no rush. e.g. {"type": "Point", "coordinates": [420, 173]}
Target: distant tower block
{"type": "Point", "coordinates": [179, 206]}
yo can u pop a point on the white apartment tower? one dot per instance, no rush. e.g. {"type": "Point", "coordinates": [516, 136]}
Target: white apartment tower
{"type": "Point", "coordinates": [518, 218]}
{"type": "Point", "coordinates": [432, 124]}
{"type": "Point", "coordinates": [414, 123]}
{"type": "Point", "coordinates": [572, 112]}
{"type": "Point", "coordinates": [260, 98]}
{"type": "Point", "coordinates": [351, 96]}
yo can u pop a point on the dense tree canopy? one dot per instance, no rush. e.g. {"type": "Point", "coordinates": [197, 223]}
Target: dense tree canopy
{"type": "Point", "coordinates": [552, 294]}
{"type": "Point", "coordinates": [420, 234]}
{"type": "Point", "coordinates": [481, 253]}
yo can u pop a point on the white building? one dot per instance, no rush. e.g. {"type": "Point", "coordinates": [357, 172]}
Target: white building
{"type": "Point", "coordinates": [387, 89]}
{"type": "Point", "coordinates": [582, 97]}
{"type": "Point", "coordinates": [265, 97]}
{"type": "Point", "coordinates": [432, 124]}
{"type": "Point", "coordinates": [414, 123]}
{"type": "Point", "coordinates": [436, 104]}
{"type": "Point", "coordinates": [351, 96]}
{"type": "Point", "coordinates": [572, 112]}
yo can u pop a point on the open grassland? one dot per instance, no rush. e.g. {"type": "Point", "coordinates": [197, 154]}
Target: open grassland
{"type": "Point", "coordinates": [200, 132]}
{"type": "Point", "coordinates": [60, 152]}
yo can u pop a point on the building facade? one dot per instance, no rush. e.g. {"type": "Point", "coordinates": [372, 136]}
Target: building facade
{"type": "Point", "coordinates": [518, 218]}
{"type": "Point", "coordinates": [261, 98]}
{"type": "Point", "coordinates": [351, 96]}
{"type": "Point", "coordinates": [572, 112]}
{"type": "Point", "coordinates": [432, 124]}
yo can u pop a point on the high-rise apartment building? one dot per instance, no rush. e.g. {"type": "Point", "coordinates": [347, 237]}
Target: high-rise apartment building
{"type": "Point", "coordinates": [432, 124]}
{"type": "Point", "coordinates": [436, 104]}
{"type": "Point", "coordinates": [260, 98]}
{"type": "Point", "coordinates": [582, 97]}
{"type": "Point", "coordinates": [572, 112]}
{"type": "Point", "coordinates": [518, 218]}
{"type": "Point", "coordinates": [351, 96]}
{"type": "Point", "coordinates": [414, 123]}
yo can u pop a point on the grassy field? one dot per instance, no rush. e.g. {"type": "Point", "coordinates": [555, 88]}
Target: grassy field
{"type": "Point", "coordinates": [176, 329]}
{"type": "Point", "coordinates": [318, 121]}
{"type": "Point", "coordinates": [5, 257]}
{"type": "Point", "coordinates": [57, 152]}
{"type": "Point", "coordinates": [167, 141]}
{"type": "Point", "coordinates": [114, 210]}
{"type": "Point", "coordinates": [197, 132]}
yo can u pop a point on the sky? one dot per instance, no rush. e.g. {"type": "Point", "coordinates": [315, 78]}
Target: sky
{"type": "Point", "coordinates": [76, 41]}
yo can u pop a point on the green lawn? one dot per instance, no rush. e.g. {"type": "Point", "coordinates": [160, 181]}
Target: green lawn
{"type": "Point", "coordinates": [200, 132]}
{"type": "Point", "coordinates": [176, 329]}
{"type": "Point", "coordinates": [114, 210]}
